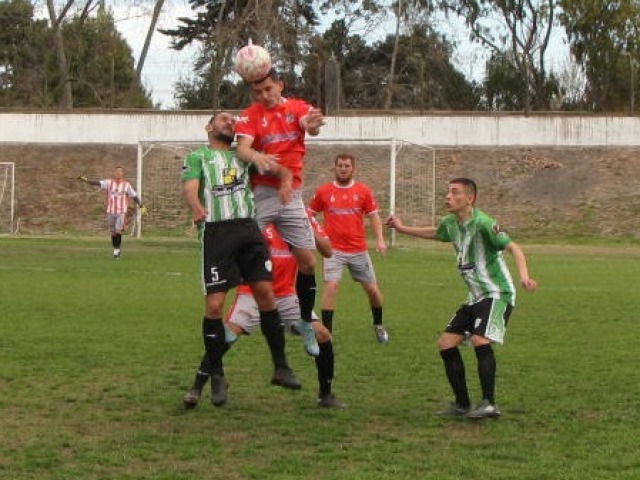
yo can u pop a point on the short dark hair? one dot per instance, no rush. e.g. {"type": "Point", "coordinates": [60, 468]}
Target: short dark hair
{"type": "Point", "coordinates": [345, 156]}
{"type": "Point", "coordinates": [469, 185]}
{"type": "Point", "coordinates": [273, 75]}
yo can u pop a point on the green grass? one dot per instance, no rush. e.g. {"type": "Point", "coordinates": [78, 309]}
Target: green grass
{"type": "Point", "coordinates": [96, 354]}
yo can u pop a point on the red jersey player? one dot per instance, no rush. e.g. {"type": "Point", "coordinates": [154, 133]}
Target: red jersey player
{"type": "Point", "coordinates": [243, 317]}
{"type": "Point", "coordinates": [271, 134]}
{"type": "Point", "coordinates": [344, 204]}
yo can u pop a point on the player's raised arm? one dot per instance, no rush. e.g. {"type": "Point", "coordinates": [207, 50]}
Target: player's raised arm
{"type": "Point", "coordinates": [428, 233]}
{"type": "Point", "coordinates": [312, 121]}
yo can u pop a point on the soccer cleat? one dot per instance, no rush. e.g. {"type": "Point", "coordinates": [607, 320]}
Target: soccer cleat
{"type": "Point", "coordinates": [381, 334]}
{"type": "Point", "coordinates": [219, 386]}
{"type": "Point", "coordinates": [453, 410]}
{"type": "Point", "coordinates": [484, 409]}
{"type": "Point", "coordinates": [330, 401]}
{"type": "Point", "coordinates": [116, 254]}
{"type": "Point", "coordinates": [309, 337]}
{"type": "Point", "coordinates": [284, 377]}
{"type": "Point", "coordinates": [229, 335]}
{"type": "Point", "coordinates": [191, 399]}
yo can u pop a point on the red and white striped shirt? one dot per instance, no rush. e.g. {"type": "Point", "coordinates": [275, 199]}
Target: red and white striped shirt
{"type": "Point", "coordinates": [118, 193]}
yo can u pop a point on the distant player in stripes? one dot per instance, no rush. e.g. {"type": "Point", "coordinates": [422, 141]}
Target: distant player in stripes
{"type": "Point", "coordinates": [478, 242]}
{"type": "Point", "coordinates": [344, 204]}
{"type": "Point", "coordinates": [118, 191]}
{"type": "Point", "coordinates": [216, 188]}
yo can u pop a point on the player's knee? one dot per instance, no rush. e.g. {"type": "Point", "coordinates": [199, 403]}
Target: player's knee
{"type": "Point", "coordinates": [449, 340]}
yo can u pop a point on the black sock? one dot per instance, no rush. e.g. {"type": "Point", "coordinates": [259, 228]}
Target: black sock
{"type": "Point", "coordinates": [214, 344]}
{"type": "Point", "coordinates": [327, 319]}
{"type": "Point", "coordinates": [487, 371]}
{"type": "Point", "coordinates": [273, 331]}
{"type": "Point", "coordinates": [203, 374]}
{"type": "Point", "coordinates": [454, 367]}
{"type": "Point", "coordinates": [324, 365]}
{"type": "Point", "coordinates": [306, 290]}
{"type": "Point", "coordinates": [376, 312]}
{"type": "Point", "coordinates": [116, 240]}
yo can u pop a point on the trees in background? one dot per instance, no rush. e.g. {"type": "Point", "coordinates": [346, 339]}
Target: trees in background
{"type": "Point", "coordinates": [75, 59]}
{"type": "Point", "coordinates": [604, 36]}
{"type": "Point", "coordinates": [357, 54]}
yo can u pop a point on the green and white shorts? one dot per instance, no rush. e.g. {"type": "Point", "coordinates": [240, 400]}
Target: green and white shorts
{"type": "Point", "coordinates": [487, 318]}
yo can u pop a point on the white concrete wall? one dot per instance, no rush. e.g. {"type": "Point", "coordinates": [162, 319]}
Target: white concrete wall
{"type": "Point", "coordinates": [435, 130]}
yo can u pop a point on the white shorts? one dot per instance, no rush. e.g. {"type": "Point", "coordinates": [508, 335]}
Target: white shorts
{"type": "Point", "coordinates": [359, 265]}
{"type": "Point", "coordinates": [245, 314]}
{"type": "Point", "coordinates": [116, 221]}
{"type": "Point", "coordinates": [291, 219]}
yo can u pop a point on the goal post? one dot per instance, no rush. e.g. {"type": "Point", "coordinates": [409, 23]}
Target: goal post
{"type": "Point", "coordinates": [401, 175]}
{"type": "Point", "coordinates": [7, 197]}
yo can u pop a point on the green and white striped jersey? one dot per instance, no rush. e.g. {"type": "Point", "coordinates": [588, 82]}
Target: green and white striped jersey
{"type": "Point", "coordinates": [478, 245]}
{"type": "Point", "coordinates": [224, 183]}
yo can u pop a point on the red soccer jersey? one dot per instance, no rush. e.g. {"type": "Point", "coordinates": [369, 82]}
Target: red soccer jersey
{"type": "Point", "coordinates": [118, 194]}
{"type": "Point", "coordinates": [343, 210]}
{"type": "Point", "coordinates": [285, 267]}
{"type": "Point", "coordinates": [276, 131]}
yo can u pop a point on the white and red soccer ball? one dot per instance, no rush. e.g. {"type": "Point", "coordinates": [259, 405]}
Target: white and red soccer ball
{"type": "Point", "coordinates": [253, 62]}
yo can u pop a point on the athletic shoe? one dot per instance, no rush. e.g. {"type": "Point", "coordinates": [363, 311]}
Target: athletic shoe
{"type": "Point", "coordinates": [219, 386]}
{"type": "Point", "coordinates": [309, 337]}
{"type": "Point", "coordinates": [454, 410]}
{"type": "Point", "coordinates": [116, 254]}
{"type": "Point", "coordinates": [330, 401]}
{"type": "Point", "coordinates": [229, 335]}
{"type": "Point", "coordinates": [484, 409]}
{"type": "Point", "coordinates": [191, 399]}
{"type": "Point", "coordinates": [381, 334]}
{"type": "Point", "coordinates": [284, 377]}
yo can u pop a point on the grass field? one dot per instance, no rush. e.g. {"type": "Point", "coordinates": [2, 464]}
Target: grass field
{"type": "Point", "coordinates": [95, 355]}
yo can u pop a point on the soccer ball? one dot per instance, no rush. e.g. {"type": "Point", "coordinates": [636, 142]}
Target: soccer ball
{"type": "Point", "coordinates": [253, 62]}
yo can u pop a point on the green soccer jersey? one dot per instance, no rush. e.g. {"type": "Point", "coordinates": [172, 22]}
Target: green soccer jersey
{"type": "Point", "coordinates": [478, 245]}
{"type": "Point", "coordinates": [224, 183]}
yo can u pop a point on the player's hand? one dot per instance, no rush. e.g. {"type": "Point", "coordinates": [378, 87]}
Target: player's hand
{"type": "Point", "coordinates": [83, 178]}
{"type": "Point", "coordinates": [394, 222]}
{"type": "Point", "coordinates": [529, 284]}
{"type": "Point", "coordinates": [313, 120]}
{"type": "Point", "coordinates": [265, 163]}
{"type": "Point", "coordinates": [381, 247]}
{"type": "Point", "coordinates": [199, 215]}
{"type": "Point", "coordinates": [143, 210]}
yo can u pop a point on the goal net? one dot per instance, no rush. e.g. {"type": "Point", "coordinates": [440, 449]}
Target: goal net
{"type": "Point", "coordinates": [7, 197]}
{"type": "Point", "coordinates": [401, 174]}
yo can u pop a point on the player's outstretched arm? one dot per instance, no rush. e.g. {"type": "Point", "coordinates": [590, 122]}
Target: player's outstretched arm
{"type": "Point", "coordinates": [428, 233]}
{"type": "Point", "coordinates": [83, 178]}
{"type": "Point", "coordinates": [520, 260]}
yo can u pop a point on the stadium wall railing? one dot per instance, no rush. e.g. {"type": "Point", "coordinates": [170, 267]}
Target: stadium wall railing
{"type": "Point", "coordinates": [451, 130]}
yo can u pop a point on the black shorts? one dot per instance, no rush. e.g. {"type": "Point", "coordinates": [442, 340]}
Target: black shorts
{"type": "Point", "coordinates": [234, 252]}
{"type": "Point", "coordinates": [487, 318]}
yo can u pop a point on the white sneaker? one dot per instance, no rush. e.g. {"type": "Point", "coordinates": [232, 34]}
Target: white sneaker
{"type": "Point", "coordinates": [484, 410]}
{"type": "Point", "coordinates": [381, 334]}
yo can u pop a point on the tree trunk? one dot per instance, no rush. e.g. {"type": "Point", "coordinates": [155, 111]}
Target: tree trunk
{"type": "Point", "coordinates": [394, 55]}
{"type": "Point", "coordinates": [157, 9]}
{"type": "Point", "coordinates": [66, 98]}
